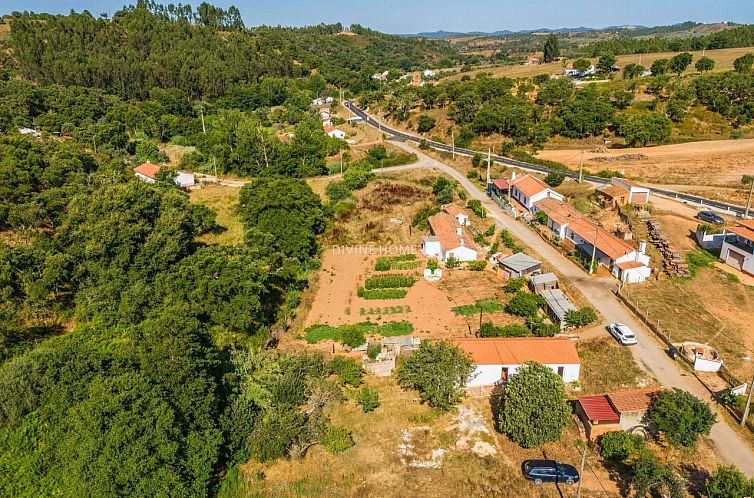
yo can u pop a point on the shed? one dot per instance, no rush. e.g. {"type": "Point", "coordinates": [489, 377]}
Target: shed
{"type": "Point", "coordinates": [520, 265]}
{"type": "Point", "coordinates": [597, 415]}
{"type": "Point", "coordinates": [557, 305]}
{"type": "Point", "coordinates": [543, 282]}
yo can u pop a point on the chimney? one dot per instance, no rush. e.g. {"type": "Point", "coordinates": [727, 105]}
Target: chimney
{"type": "Point", "coordinates": [459, 232]}
{"type": "Point", "coordinates": [642, 246]}
{"type": "Point", "coordinates": [513, 176]}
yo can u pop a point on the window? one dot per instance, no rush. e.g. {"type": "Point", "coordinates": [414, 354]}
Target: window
{"type": "Point", "coordinates": [561, 371]}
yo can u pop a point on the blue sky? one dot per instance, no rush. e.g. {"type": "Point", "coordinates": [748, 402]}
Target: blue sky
{"type": "Point", "coordinates": [411, 16]}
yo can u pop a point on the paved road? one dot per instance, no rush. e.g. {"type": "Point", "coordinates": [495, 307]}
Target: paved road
{"type": "Point", "coordinates": [730, 209]}
{"type": "Point", "coordinates": [599, 292]}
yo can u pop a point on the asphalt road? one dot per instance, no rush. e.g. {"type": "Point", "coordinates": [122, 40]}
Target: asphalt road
{"type": "Point", "coordinates": [648, 353]}
{"type": "Point", "coordinates": [701, 202]}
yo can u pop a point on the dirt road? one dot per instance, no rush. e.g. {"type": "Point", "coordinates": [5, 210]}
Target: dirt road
{"type": "Point", "coordinates": [599, 292]}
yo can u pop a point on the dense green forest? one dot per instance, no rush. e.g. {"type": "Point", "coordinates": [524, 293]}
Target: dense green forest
{"type": "Point", "coordinates": [135, 361]}
{"type": "Point", "coordinates": [147, 46]}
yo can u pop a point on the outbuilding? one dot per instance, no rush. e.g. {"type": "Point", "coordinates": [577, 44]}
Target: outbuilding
{"type": "Point", "coordinates": [542, 282]}
{"type": "Point", "coordinates": [519, 265]}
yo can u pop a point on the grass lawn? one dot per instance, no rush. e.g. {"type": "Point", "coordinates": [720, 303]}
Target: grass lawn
{"type": "Point", "coordinates": [608, 366]}
{"type": "Point", "coordinates": [222, 200]}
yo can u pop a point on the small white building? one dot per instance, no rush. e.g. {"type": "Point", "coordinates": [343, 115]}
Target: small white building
{"type": "Point", "coordinates": [333, 132]}
{"type": "Point", "coordinates": [449, 237]}
{"type": "Point", "coordinates": [428, 73]}
{"type": "Point", "coordinates": [637, 193]}
{"type": "Point", "coordinates": [738, 246]}
{"type": "Point", "coordinates": [497, 359]}
{"type": "Point", "coordinates": [184, 179]}
{"type": "Point", "coordinates": [527, 190]}
{"type": "Point", "coordinates": [147, 172]}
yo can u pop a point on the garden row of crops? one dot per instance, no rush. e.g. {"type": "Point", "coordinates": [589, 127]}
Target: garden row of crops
{"type": "Point", "coordinates": [381, 293]}
{"type": "Point", "coordinates": [389, 281]}
{"type": "Point", "coordinates": [385, 310]}
{"type": "Point", "coordinates": [484, 305]}
{"type": "Point", "coordinates": [387, 263]}
{"type": "Point", "coordinates": [354, 335]}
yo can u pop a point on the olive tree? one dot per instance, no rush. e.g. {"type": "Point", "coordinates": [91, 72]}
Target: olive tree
{"type": "Point", "coordinates": [681, 416]}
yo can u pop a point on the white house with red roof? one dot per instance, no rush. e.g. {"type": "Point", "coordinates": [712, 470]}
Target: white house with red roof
{"type": "Point", "coordinates": [738, 246]}
{"type": "Point", "coordinates": [526, 190]}
{"type": "Point", "coordinates": [147, 172]}
{"type": "Point", "coordinates": [449, 236]}
{"type": "Point", "coordinates": [637, 193]}
{"type": "Point", "coordinates": [334, 132]}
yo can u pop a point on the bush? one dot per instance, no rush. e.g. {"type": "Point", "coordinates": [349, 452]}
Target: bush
{"type": "Point", "coordinates": [368, 399]}
{"type": "Point", "coordinates": [533, 408]}
{"type": "Point", "coordinates": [337, 190]}
{"type": "Point", "coordinates": [348, 371]}
{"type": "Point", "coordinates": [356, 177]}
{"type": "Point", "coordinates": [451, 262]}
{"type": "Point", "coordinates": [729, 482]}
{"type": "Point", "coordinates": [681, 416]}
{"type": "Point", "coordinates": [373, 350]}
{"type": "Point", "coordinates": [508, 241]}
{"type": "Point", "coordinates": [420, 218]}
{"type": "Point", "coordinates": [476, 207]}
{"type": "Point", "coordinates": [478, 265]}
{"type": "Point", "coordinates": [389, 281]}
{"type": "Point", "coordinates": [393, 329]}
{"type": "Point", "coordinates": [524, 304]}
{"type": "Point", "coordinates": [514, 285]}
{"type": "Point", "coordinates": [513, 330]}
{"type": "Point", "coordinates": [381, 293]}
{"type": "Point", "coordinates": [425, 123]}
{"type": "Point", "coordinates": [490, 231]}
{"type": "Point", "coordinates": [351, 335]}
{"type": "Point", "coordinates": [541, 329]}
{"type": "Point", "coordinates": [336, 439]}
{"type": "Point", "coordinates": [435, 371]}
{"type": "Point", "coordinates": [432, 264]}
{"type": "Point", "coordinates": [581, 318]}
{"type": "Point", "coordinates": [554, 179]}
{"type": "Point", "coordinates": [620, 445]}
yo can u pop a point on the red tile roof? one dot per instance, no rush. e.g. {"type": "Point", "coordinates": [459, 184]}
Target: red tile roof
{"type": "Point", "coordinates": [445, 228]}
{"type": "Point", "coordinates": [557, 211]}
{"type": "Point", "coordinates": [519, 350]}
{"type": "Point", "coordinates": [598, 408]}
{"type": "Point", "coordinates": [747, 223]}
{"type": "Point", "coordinates": [148, 169]}
{"type": "Point", "coordinates": [529, 185]}
{"type": "Point", "coordinates": [606, 242]}
{"type": "Point", "coordinates": [612, 191]}
{"type": "Point", "coordinates": [628, 265]}
{"type": "Point", "coordinates": [634, 400]}
{"type": "Point", "coordinates": [501, 183]}
{"type": "Point", "coordinates": [454, 210]}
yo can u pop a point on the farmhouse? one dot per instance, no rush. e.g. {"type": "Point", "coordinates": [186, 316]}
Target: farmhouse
{"type": "Point", "coordinates": [572, 72]}
{"type": "Point", "coordinates": [518, 265]}
{"type": "Point", "coordinates": [637, 193]}
{"type": "Point", "coordinates": [624, 410]}
{"type": "Point", "coordinates": [496, 359]}
{"type": "Point", "coordinates": [449, 237]}
{"type": "Point", "coordinates": [526, 190]}
{"type": "Point", "coordinates": [333, 132]}
{"type": "Point", "coordinates": [621, 258]}
{"type": "Point", "coordinates": [559, 215]}
{"type": "Point", "coordinates": [738, 246]}
{"type": "Point", "coordinates": [461, 217]}
{"type": "Point", "coordinates": [147, 172]}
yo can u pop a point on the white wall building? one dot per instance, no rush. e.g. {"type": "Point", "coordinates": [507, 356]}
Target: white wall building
{"type": "Point", "coordinates": [528, 190]}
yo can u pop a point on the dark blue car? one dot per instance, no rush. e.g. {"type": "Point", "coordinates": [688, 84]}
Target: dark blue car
{"type": "Point", "coordinates": [541, 471]}
{"type": "Point", "coordinates": [710, 217]}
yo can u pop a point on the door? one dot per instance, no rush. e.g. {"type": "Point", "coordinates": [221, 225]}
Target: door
{"type": "Point", "coordinates": [735, 260]}
{"type": "Point", "coordinates": [561, 371]}
{"type": "Point", "coordinates": [504, 374]}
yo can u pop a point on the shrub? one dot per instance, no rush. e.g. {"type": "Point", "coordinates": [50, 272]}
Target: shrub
{"type": "Point", "coordinates": [336, 439]}
{"type": "Point", "coordinates": [348, 371]}
{"type": "Point", "coordinates": [478, 265]}
{"type": "Point", "coordinates": [435, 370]}
{"type": "Point", "coordinates": [729, 482]}
{"type": "Point", "coordinates": [320, 332]}
{"type": "Point", "coordinates": [541, 329]}
{"type": "Point", "coordinates": [490, 231]}
{"type": "Point", "coordinates": [373, 350]}
{"type": "Point", "coordinates": [381, 293]}
{"type": "Point", "coordinates": [432, 264]}
{"type": "Point", "coordinates": [533, 408]}
{"type": "Point", "coordinates": [451, 262]}
{"type": "Point", "coordinates": [513, 330]}
{"type": "Point", "coordinates": [389, 281]}
{"type": "Point", "coordinates": [420, 218]}
{"type": "Point", "coordinates": [620, 445]}
{"type": "Point", "coordinates": [392, 329]}
{"type": "Point", "coordinates": [476, 207]}
{"type": "Point", "coordinates": [508, 241]}
{"type": "Point", "coordinates": [425, 123]}
{"type": "Point", "coordinates": [337, 190]}
{"type": "Point", "coordinates": [681, 416]}
{"type": "Point", "coordinates": [554, 179]}
{"type": "Point", "coordinates": [514, 285]}
{"type": "Point", "coordinates": [356, 177]}
{"type": "Point", "coordinates": [476, 160]}
{"type": "Point", "coordinates": [368, 399]}
{"type": "Point", "coordinates": [580, 318]}
{"type": "Point", "coordinates": [524, 304]}
{"type": "Point", "coordinates": [351, 335]}
{"type": "Point", "coordinates": [472, 175]}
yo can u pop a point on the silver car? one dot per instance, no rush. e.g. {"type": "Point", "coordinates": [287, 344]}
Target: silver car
{"type": "Point", "coordinates": [623, 333]}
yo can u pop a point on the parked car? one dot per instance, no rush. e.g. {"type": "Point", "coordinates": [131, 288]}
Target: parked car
{"type": "Point", "coordinates": [622, 333]}
{"type": "Point", "coordinates": [541, 471]}
{"type": "Point", "coordinates": [710, 217]}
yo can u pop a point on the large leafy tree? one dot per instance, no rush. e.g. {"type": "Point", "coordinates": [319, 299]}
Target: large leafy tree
{"type": "Point", "coordinates": [551, 49]}
{"type": "Point", "coordinates": [642, 129]}
{"type": "Point", "coordinates": [285, 208]}
{"type": "Point", "coordinates": [681, 416]}
{"type": "Point", "coordinates": [438, 371]}
{"type": "Point", "coordinates": [729, 482]}
{"type": "Point", "coordinates": [533, 408]}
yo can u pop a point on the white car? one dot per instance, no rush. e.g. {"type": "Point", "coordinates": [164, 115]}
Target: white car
{"type": "Point", "coordinates": [623, 333]}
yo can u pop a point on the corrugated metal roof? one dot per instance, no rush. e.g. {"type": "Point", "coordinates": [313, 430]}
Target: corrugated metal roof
{"type": "Point", "coordinates": [519, 262]}
{"type": "Point", "coordinates": [558, 303]}
{"type": "Point", "coordinates": [598, 408]}
{"type": "Point", "coordinates": [545, 278]}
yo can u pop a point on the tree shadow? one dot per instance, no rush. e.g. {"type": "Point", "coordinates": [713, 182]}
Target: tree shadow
{"type": "Point", "coordinates": [620, 473]}
{"type": "Point", "coordinates": [696, 478]}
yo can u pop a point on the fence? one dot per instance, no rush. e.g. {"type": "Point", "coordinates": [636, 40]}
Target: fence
{"type": "Point", "coordinates": [723, 373]}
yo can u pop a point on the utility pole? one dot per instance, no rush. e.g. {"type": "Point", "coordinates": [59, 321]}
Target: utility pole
{"type": "Point", "coordinates": [489, 164]}
{"type": "Point", "coordinates": [748, 203]}
{"type": "Point", "coordinates": [201, 112]}
{"type": "Point", "coordinates": [453, 148]}
{"type": "Point", "coordinates": [341, 165]}
{"type": "Point", "coordinates": [581, 167]}
{"type": "Point", "coordinates": [748, 404]}
{"type": "Point", "coordinates": [581, 471]}
{"type": "Point", "coordinates": [594, 250]}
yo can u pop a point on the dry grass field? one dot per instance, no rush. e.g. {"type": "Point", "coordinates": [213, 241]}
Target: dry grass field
{"type": "Point", "coordinates": [723, 60]}
{"type": "Point", "coordinates": [223, 200]}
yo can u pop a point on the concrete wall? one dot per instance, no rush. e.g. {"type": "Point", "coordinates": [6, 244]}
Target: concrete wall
{"type": "Point", "coordinates": [462, 253]}
{"type": "Point", "coordinates": [485, 375]}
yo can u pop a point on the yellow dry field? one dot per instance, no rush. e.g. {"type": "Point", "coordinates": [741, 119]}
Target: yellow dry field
{"type": "Point", "coordinates": [723, 60]}
{"type": "Point", "coordinates": [223, 201]}
{"type": "Point", "coordinates": [719, 163]}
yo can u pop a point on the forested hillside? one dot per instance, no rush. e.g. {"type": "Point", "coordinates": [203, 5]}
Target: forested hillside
{"type": "Point", "coordinates": [134, 360]}
{"type": "Point", "coordinates": [149, 46]}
